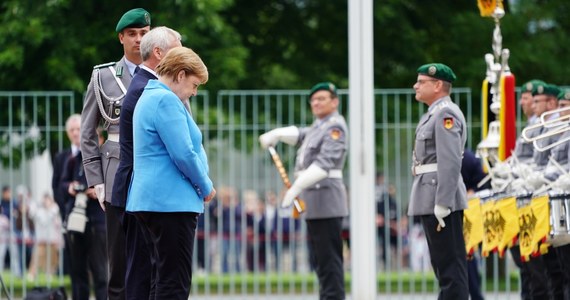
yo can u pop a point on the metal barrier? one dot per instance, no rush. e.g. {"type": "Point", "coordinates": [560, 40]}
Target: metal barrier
{"type": "Point", "coordinates": [242, 246]}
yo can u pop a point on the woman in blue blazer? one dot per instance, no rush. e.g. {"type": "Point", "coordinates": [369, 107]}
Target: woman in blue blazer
{"type": "Point", "coordinates": [170, 180]}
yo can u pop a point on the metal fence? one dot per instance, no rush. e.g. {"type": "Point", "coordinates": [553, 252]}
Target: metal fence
{"type": "Point", "coordinates": [245, 245]}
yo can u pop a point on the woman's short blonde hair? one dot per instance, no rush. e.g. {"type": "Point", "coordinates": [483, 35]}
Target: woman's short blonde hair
{"type": "Point", "coordinates": [182, 59]}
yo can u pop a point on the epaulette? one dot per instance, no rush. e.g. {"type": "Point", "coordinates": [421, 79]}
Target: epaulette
{"type": "Point", "coordinates": [104, 65]}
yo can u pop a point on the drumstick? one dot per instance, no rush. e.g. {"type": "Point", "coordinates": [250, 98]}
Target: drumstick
{"type": "Point", "coordinates": [298, 203]}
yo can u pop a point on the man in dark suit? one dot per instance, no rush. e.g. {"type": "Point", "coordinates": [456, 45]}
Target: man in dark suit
{"type": "Point", "coordinates": [72, 125]}
{"type": "Point", "coordinates": [138, 278]}
{"type": "Point", "coordinates": [72, 129]}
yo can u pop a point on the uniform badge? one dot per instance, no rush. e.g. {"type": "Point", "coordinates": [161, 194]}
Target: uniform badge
{"type": "Point", "coordinates": [540, 89]}
{"type": "Point", "coordinates": [336, 134]}
{"type": "Point", "coordinates": [117, 111]}
{"type": "Point", "coordinates": [119, 71]}
{"type": "Point", "coordinates": [448, 123]}
{"type": "Point", "coordinates": [567, 96]}
{"type": "Point", "coordinates": [432, 70]}
{"type": "Point", "coordinates": [529, 87]}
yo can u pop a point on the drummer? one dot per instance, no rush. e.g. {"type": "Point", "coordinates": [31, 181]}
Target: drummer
{"type": "Point", "coordinates": [545, 99]}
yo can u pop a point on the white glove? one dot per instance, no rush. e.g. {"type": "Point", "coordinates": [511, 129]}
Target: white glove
{"type": "Point", "coordinates": [310, 176]}
{"type": "Point", "coordinates": [290, 196]}
{"type": "Point", "coordinates": [501, 169]}
{"type": "Point", "coordinates": [518, 185]}
{"type": "Point", "coordinates": [563, 182]}
{"type": "Point", "coordinates": [441, 212]}
{"type": "Point", "coordinates": [100, 192]}
{"type": "Point", "coordinates": [289, 135]}
{"type": "Point", "coordinates": [536, 180]}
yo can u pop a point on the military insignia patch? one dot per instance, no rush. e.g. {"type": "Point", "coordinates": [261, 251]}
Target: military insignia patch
{"type": "Point", "coordinates": [336, 134]}
{"type": "Point", "coordinates": [432, 70]}
{"type": "Point", "coordinates": [448, 123]}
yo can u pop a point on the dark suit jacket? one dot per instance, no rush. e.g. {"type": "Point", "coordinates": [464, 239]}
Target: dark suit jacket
{"type": "Point", "coordinates": [74, 171]}
{"type": "Point", "coordinates": [125, 169]}
{"type": "Point", "coordinates": [58, 163]}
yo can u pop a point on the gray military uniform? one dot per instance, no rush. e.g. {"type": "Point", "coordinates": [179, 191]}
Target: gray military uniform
{"type": "Point", "coordinates": [324, 143]}
{"type": "Point", "coordinates": [541, 158]}
{"type": "Point", "coordinates": [523, 149]}
{"type": "Point", "coordinates": [104, 96]}
{"type": "Point", "coordinates": [560, 154]}
{"type": "Point", "coordinates": [440, 139]}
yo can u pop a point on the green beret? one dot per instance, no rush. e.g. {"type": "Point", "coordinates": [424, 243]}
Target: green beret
{"type": "Point", "coordinates": [134, 18]}
{"type": "Point", "coordinates": [439, 71]}
{"type": "Point", "coordinates": [323, 86]}
{"type": "Point", "coordinates": [530, 86]}
{"type": "Point", "coordinates": [564, 95]}
{"type": "Point", "coordinates": [547, 89]}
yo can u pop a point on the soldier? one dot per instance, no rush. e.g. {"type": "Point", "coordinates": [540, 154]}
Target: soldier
{"type": "Point", "coordinates": [524, 149]}
{"type": "Point", "coordinates": [546, 100]}
{"type": "Point", "coordinates": [438, 194]}
{"type": "Point", "coordinates": [318, 169]}
{"type": "Point", "coordinates": [103, 100]}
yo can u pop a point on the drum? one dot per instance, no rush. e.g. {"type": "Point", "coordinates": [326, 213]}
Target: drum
{"type": "Point", "coordinates": [559, 204]}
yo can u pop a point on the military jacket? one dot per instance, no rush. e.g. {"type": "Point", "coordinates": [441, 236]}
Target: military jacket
{"type": "Point", "coordinates": [540, 158]}
{"type": "Point", "coordinates": [324, 143]}
{"type": "Point", "coordinates": [523, 149]}
{"type": "Point", "coordinates": [440, 139]}
{"type": "Point", "coordinates": [102, 107]}
{"type": "Point", "coordinates": [560, 154]}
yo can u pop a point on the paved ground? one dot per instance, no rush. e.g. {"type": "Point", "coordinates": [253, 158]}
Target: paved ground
{"type": "Point", "coordinates": [489, 296]}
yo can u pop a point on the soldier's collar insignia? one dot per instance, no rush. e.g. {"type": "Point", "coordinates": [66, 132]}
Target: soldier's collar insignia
{"type": "Point", "coordinates": [432, 70]}
{"type": "Point", "coordinates": [119, 71]}
{"type": "Point", "coordinates": [448, 123]}
{"type": "Point", "coordinates": [336, 134]}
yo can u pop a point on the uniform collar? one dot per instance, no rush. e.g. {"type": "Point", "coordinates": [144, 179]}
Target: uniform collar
{"type": "Point", "coordinates": [131, 66]}
{"type": "Point", "coordinates": [439, 102]}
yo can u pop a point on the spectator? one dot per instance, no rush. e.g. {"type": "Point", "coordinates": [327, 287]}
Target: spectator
{"type": "Point", "coordinates": [8, 240]}
{"type": "Point", "coordinates": [385, 203]}
{"type": "Point", "coordinates": [48, 237]}
{"type": "Point", "coordinates": [229, 214]}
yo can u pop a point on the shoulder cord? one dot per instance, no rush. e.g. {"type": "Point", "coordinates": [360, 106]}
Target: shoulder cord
{"type": "Point", "coordinates": [98, 91]}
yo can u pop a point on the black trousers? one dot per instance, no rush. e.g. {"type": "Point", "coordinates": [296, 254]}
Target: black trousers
{"type": "Point", "coordinates": [172, 237]}
{"type": "Point", "coordinates": [524, 273]}
{"type": "Point", "coordinates": [563, 253]}
{"type": "Point", "coordinates": [326, 245]}
{"type": "Point", "coordinates": [116, 252]}
{"type": "Point", "coordinates": [448, 255]}
{"type": "Point", "coordinates": [139, 277]}
{"type": "Point", "coordinates": [88, 255]}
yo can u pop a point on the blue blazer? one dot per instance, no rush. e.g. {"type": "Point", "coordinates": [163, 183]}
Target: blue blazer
{"type": "Point", "coordinates": [125, 168]}
{"type": "Point", "coordinates": [170, 166]}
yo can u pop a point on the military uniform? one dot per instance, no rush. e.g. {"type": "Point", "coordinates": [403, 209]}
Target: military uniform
{"type": "Point", "coordinates": [103, 101]}
{"type": "Point", "coordinates": [324, 143]}
{"type": "Point", "coordinates": [437, 157]}
{"type": "Point", "coordinates": [318, 181]}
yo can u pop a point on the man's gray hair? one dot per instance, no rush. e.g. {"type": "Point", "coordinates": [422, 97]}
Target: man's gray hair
{"type": "Point", "coordinates": [72, 118]}
{"type": "Point", "coordinates": [161, 37]}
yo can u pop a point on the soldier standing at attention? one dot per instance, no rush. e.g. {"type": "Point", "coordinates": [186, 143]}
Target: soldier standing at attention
{"type": "Point", "coordinates": [103, 100]}
{"type": "Point", "coordinates": [318, 181]}
{"type": "Point", "coordinates": [438, 193]}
